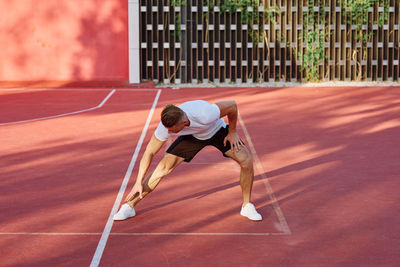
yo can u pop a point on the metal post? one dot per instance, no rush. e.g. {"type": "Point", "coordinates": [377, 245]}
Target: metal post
{"type": "Point", "coordinates": [183, 69]}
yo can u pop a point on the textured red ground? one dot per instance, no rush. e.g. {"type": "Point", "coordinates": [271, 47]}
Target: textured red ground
{"type": "Point", "coordinates": [330, 155]}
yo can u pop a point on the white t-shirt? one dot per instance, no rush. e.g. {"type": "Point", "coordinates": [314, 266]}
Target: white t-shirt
{"type": "Point", "coordinates": [204, 120]}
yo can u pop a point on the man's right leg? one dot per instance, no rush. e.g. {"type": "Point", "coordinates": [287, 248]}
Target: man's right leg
{"type": "Point", "coordinates": [164, 167]}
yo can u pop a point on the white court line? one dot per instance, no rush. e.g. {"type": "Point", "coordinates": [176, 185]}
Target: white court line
{"type": "Point", "coordinates": [57, 234]}
{"type": "Point", "coordinates": [260, 169]}
{"type": "Point", "coordinates": [78, 89]}
{"type": "Point", "coordinates": [64, 114]}
{"type": "Point", "coordinates": [141, 234]}
{"type": "Point", "coordinates": [107, 229]}
{"type": "Point", "coordinates": [199, 234]}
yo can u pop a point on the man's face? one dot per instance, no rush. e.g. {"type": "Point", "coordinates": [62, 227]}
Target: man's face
{"type": "Point", "coordinates": [177, 127]}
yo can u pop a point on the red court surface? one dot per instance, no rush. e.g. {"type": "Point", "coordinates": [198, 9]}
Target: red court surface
{"type": "Point", "coordinates": [326, 180]}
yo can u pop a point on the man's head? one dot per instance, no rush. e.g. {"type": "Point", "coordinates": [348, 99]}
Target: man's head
{"type": "Point", "coordinates": [173, 118]}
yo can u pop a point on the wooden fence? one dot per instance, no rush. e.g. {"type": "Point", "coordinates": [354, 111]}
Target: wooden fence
{"type": "Point", "coordinates": [198, 42]}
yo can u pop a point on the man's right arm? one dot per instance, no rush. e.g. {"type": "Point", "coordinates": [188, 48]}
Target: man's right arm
{"type": "Point", "coordinates": [152, 148]}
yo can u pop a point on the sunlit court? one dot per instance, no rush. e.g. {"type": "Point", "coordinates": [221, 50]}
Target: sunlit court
{"type": "Point", "coordinates": [326, 163]}
{"type": "Point", "coordinates": [237, 133]}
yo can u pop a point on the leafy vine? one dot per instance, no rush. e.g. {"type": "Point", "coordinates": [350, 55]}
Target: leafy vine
{"type": "Point", "coordinates": [176, 34]}
{"type": "Point", "coordinates": [315, 34]}
{"type": "Point", "coordinates": [314, 37]}
{"type": "Point", "coordinates": [254, 14]}
{"type": "Point", "coordinates": [356, 12]}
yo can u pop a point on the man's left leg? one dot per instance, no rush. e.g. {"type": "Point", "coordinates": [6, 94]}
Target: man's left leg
{"type": "Point", "coordinates": [245, 160]}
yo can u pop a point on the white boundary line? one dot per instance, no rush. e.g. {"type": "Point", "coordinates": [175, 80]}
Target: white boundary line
{"type": "Point", "coordinates": [260, 169]}
{"type": "Point", "coordinates": [143, 234]}
{"type": "Point", "coordinates": [64, 114]}
{"type": "Point", "coordinates": [78, 89]}
{"type": "Point", "coordinates": [107, 229]}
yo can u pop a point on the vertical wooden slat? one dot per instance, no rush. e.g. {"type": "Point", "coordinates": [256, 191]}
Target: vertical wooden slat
{"type": "Point", "coordinates": [222, 50]}
{"type": "Point", "coordinates": [201, 34]}
{"type": "Point", "coordinates": [205, 47]}
{"type": "Point", "coordinates": [385, 38]}
{"type": "Point", "coordinates": [239, 38]}
{"type": "Point", "coordinates": [245, 61]}
{"type": "Point", "coordinates": [297, 37]}
{"type": "Point", "coordinates": [151, 23]}
{"type": "Point", "coordinates": [213, 50]}
{"type": "Point", "coordinates": [351, 48]}
{"type": "Point", "coordinates": [144, 69]}
{"type": "Point", "coordinates": [198, 40]}
{"type": "Point", "coordinates": [166, 41]}
{"type": "Point", "coordinates": [153, 32]}
{"type": "Point", "coordinates": [375, 46]}
{"type": "Point", "coordinates": [289, 51]}
{"type": "Point", "coordinates": [396, 54]}
{"type": "Point", "coordinates": [266, 50]}
{"type": "Point", "coordinates": [348, 47]}
{"type": "Point", "coordinates": [282, 37]}
{"type": "Point", "coordinates": [391, 44]}
{"type": "Point", "coordinates": [233, 51]}
{"type": "Point", "coordinates": [238, 57]}
{"type": "Point", "coordinates": [288, 41]}
{"type": "Point", "coordinates": [336, 48]}
{"type": "Point", "coordinates": [380, 46]}
{"type": "Point", "coordinates": [331, 49]}
{"type": "Point", "coordinates": [299, 32]}
{"type": "Point", "coordinates": [217, 58]}
{"type": "Point", "coordinates": [369, 47]}
{"type": "Point", "coordinates": [227, 48]}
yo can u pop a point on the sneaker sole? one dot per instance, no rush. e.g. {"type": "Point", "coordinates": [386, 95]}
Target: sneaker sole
{"type": "Point", "coordinates": [122, 219]}
{"type": "Point", "coordinates": [255, 220]}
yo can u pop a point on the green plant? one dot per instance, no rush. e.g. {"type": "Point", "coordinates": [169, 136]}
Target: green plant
{"type": "Point", "coordinates": [356, 12]}
{"type": "Point", "coordinates": [177, 3]}
{"type": "Point", "coordinates": [314, 39]}
{"type": "Point", "coordinates": [176, 34]}
{"type": "Point", "coordinates": [250, 15]}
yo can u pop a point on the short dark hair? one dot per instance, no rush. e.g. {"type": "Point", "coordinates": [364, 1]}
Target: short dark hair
{"type": "Point", "coordinates": [171, 115]}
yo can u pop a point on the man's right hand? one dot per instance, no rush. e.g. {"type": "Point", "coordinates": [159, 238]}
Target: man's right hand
{"type": "Point", "coordinates": [137, 188]}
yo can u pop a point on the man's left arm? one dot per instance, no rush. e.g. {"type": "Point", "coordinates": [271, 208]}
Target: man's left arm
{"type": "Point", "coordinates": [229, 108]}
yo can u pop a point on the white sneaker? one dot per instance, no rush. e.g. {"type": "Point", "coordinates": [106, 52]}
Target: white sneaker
{"type": "Point", "coordinates": [250, 212]}
{"type": "Point", "coordinates": [124, 213]}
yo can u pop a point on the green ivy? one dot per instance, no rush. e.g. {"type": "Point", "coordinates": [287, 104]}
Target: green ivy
{"type": "Point", "coordinates": [249, 14]}
{"type": "Point", "coordinates": [314, 39]}
{"type": "Point", "coordinates": [177, 3]}
{"type": "Point", "coordinates": [356, 12]}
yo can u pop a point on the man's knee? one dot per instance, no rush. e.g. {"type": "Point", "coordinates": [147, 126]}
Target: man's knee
{"type": "Point", "coordinates": [247, 162]}
{"type": "Point", "coordinates": [243, 157]}
{"type": "Point", "coordinates": [163, 168]}
{"type": "Point", "coordinates": [168, 164]}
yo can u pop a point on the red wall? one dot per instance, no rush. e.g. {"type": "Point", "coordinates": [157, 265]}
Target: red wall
{"type": "Point", "coordinates": [63, 41]}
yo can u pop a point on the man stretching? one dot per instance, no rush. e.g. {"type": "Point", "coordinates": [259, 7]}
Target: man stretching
{"type": "Point", "coordinates": [198, 124]}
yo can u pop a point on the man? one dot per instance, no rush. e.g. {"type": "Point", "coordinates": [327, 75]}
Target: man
{"type": "Point", "coordinates": [198, 124]}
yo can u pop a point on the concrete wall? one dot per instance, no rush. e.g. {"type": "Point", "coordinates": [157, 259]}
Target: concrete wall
{"type": "Point", "coordinates": [64, 41]}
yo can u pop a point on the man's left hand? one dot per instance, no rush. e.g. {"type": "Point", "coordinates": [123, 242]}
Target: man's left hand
{"type": "Point", "coordinates": [234, 140]}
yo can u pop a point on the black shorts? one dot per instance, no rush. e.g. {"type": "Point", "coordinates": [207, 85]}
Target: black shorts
{"type": "Point", "coordinates": [187, 146]}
